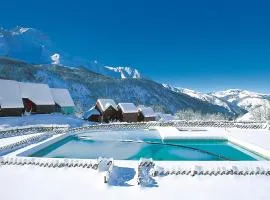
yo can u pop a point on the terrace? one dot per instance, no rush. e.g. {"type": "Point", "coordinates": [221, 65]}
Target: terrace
{"type": "Point", "coordinates": [69, 177]}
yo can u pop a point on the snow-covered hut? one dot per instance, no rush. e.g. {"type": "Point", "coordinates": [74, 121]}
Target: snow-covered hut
{"type": "Point", "coordinates": [92, 115]}
{"type": "Point", "coordinates": [37, 98]}
{"type": "Point", "coordinates": [108, 109]}
{"type": "Point", "coordinates": [63, 101]}
{"type": "Point", "coordinates": [10, 99]}
{"type": "Point", "coordinates": [146, 114]}
{"type": "Point", "coordinates": [128, 112]}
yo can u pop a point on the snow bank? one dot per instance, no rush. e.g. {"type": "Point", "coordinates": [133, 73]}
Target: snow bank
{"type": "Point", "coordinates": [41, 120]}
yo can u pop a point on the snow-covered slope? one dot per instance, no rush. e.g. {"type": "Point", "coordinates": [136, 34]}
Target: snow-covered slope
{"type": "Point", "coordinates": [208, 98]}
{"type": "Point", "coordinates": [257, 105]}
{"type": "Point", "coordinates": [86, 87]}
{"type": "Point", "coordinates": [33, 46]}
{"type": "Point", "coordinates": [244, 99]}
{"type": "Point", "coordinates": [245, 104]}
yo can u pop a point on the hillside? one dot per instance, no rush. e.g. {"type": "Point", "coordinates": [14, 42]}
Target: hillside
{"type": "Point", "coordinates": [246, 105]}
{"type": "Point", "coordinates": [86, 86]}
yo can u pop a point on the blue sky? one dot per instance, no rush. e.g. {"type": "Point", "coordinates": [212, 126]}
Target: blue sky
{"type": "Point", "coordinates": [203, 45]}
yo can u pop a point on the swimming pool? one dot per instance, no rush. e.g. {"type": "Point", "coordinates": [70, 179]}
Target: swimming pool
{"type": "Point", "coordinates": [87, 147]}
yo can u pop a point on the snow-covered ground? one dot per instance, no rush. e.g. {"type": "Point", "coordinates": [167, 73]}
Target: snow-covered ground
{"type": "Point", "coordinates": [43, 119]}
{"type": "Point", "coordinates": [30, 182]}
{"type": "Point", "coordinates": [35, 182]}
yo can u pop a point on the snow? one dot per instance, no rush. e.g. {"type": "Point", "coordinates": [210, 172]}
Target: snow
{"type": "Point", "coordinates": [90, 112]}
{"type": "Point", "coordinates": [77, 183]}
{"type": "Point", "coordinates": [12, 140]}
{"type": "Point", "coordinates": [55, 59]}
{"type": "Point", "coordinates": [125, 72]}
{"type": "Point", "coordinates": [105, 103]}
{"type": "Point", "coordinates": [205, 97]}
{"type": "Point", "coordinates": [165, 117]}
{"type": "Point", "coordinates": [10, 94]}
{"type": "Point", "coordinates": [40, 94]}
{"type": "Point", "coordinates": [128, 107]}
{"type": "Point", "coordinates": [147, 111]}
{"type": "Point", "coordinates": [34, 182]}
{"type": "Point", "coordinates": [62, 97]}
{"type": "Point", "coordinates": [41, 119]}
{"type": "Point", "coordinates": [23, 30]}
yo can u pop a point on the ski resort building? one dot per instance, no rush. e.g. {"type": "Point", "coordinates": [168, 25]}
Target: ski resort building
{"type": "Point", "coordinates": [128, 112]}
{"type": "Point", "coordinates": [10, 99]}
{"type": "Point", "coordinates": [108, 110]}
{"type": "Point", "coordinates": [63, 101]}
{"type": "Point", "coordinates": [18, 97]}
{"type": "Point", "coordinates": [92, 115]}
{"type": "Point", "coordinates": [37, 98]}
{"type": "Point", "coordinates": [146, 114]}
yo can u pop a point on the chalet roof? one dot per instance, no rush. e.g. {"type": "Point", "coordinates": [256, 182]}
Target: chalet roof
{"type": "Point", "coordinates": [147, 111]}
{"type": "Point", "coordinates": [128, 107]}
{"type": "Point", "coordinates": [40, 94]}
{"type": "Point", "coordinates": [90, 112]}
{"type": "Point", "coordinates": [10, 94]}
{"type": "Point", "coordinates": [106, 103]}
{"type": "Point", "coordinates": [62, 97]}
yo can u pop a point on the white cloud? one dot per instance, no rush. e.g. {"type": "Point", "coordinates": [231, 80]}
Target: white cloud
{"type": "Point", "coordinates": [55, 59]}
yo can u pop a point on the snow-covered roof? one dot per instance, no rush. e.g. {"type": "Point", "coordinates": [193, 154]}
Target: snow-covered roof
{"type": "Point", "coordinates": [128, 107]}
{"type": "Point", "coordinates": [62, 97]}
{"type": "Point", "coordinates": [165, 117]}
{"type": "Point", "coordinates": [40, 94]}
{"type": "Point", "coordinates": [105, 103]}
{"type": "Point", "coordinates": [10, 94]}
{"type": "Point", "coordinates": [147, 111]}
{"type": "Point", "coordinates": [90, 112]}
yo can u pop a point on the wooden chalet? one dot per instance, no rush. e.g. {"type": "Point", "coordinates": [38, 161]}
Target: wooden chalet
{"type": "Point", "coordinates": [146, 114]}
{"type": "Point", "coordinates": [10, 99]}
{"type": "Point", "coordinates": [92, 115]}
{"type": "Point", "coordinates": [108, 110]}
{"type": "Point", "coordinates": [128, 112]}
{"type": "Point", "coordinates": [37, 98]}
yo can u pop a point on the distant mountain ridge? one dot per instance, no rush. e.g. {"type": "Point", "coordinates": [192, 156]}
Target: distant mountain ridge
{"type": "Point", "coordinates": [33, 46]}
{"type": "Point", "coordinates": [240, 102]}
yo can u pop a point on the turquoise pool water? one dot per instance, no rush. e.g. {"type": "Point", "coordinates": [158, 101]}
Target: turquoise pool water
{"type": "Point", "coordinates": [204, 150]}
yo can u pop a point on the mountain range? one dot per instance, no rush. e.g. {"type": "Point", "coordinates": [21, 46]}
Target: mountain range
{"type": "Point", "coordinates": [28, 55]}
{"type": "Point", "coordinates": [240, 102]}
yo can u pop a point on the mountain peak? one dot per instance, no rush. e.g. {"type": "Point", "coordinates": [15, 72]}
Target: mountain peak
{"type": "Point", "coordinates": [35, 47]}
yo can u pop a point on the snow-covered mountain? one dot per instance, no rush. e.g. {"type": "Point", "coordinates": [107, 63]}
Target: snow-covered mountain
{"type": "Point", "coordinates": [208, 98]}
{"type": "Point", "coordinates": [86, 87]}
{"type": "Point", "coordinates": [242, 103]}
{"type": "Point", "coordinates": [256, 104]}
{"type": "Point", "coordinates": [242, 98]}
{"type": "Point", "coordinates": [33, 46]}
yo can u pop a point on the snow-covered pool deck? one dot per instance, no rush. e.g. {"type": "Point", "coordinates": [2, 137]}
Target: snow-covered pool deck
{"type": "Point", "coordinates": [255, 140]}
{"type": "Point", "coordinates": [34, 182]}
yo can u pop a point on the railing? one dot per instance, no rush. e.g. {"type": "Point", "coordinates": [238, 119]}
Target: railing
{"type": "Point", "coordinates": [28, 141]}
{"type": "Point", "coordinates": [29, 130]}
{"type": "Point", "coordinates": [49, 162]}
{"type": "Point", "coordinates": [178, 124]}
{"type": "Point", "coordinates": [148, 170]}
